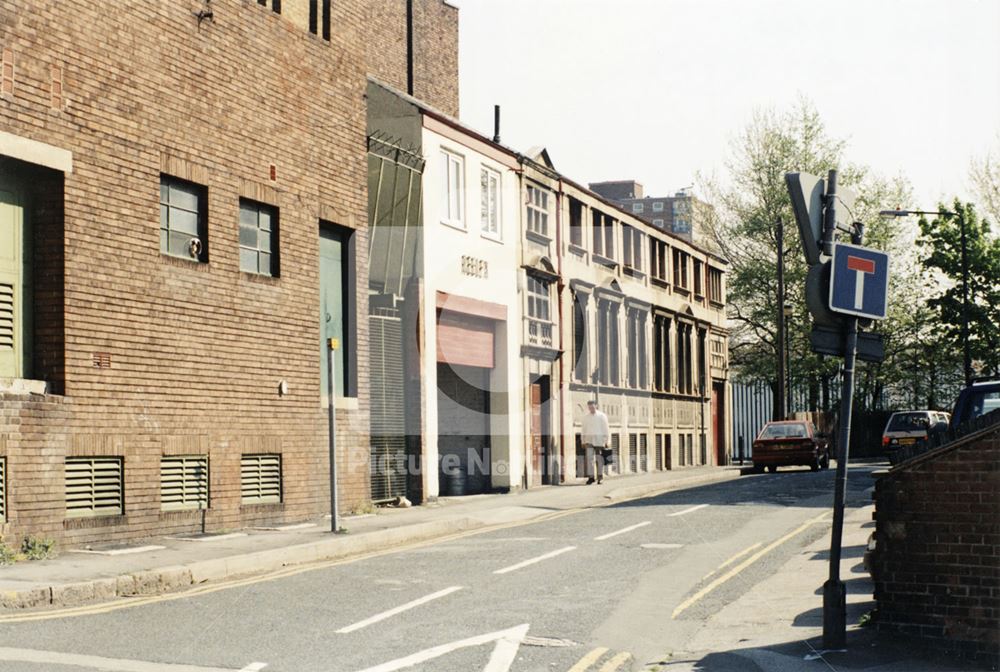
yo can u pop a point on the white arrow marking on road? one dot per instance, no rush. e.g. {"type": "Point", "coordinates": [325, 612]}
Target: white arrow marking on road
{"type": "Point", "coordinates": [398, 610]}
{"type": "Point", "coordinates": [507, 643]}
{"type": "Point", "coordinates": [622, 531]}
{"type": "Point", "coordinates": [687, 511]}
{"type": "Point", "coordinates": [254, 667]}
{"type": "Point", "coordinates": [532, 561]}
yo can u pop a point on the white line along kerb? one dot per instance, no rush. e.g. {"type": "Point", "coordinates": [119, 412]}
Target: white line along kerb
{"type": "Point", "coordinates": [398, 610]}
{"type": "Point", "coordinates": [532, 561]}
{"type": "Point", "coordinates": [687, 511]}
{"type": "Point", "coordinates": [622, 531]}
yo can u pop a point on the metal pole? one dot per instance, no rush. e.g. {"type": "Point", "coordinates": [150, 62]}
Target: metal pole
{"type": "Point", "coordinates": [788, 368]}
{"type": "Point", "coordinates": [967, 353]}
{"type": "Point", "coordinates": [331, 396]}
{"type": "Point", "coordinates": [779, 395]}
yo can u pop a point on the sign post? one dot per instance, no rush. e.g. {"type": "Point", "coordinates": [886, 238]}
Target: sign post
{"type": "Point", "coordinates": [333, 344]}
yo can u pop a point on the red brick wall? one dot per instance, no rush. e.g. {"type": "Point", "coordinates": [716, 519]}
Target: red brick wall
{"type": "Point", "coordinates": [937, 561]}
{"type": "Point", "coordinates": [435, 49]}
{"type": "Point", "coordinates": [197, 350]}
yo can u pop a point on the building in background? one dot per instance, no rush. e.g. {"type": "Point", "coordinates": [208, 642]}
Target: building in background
{"type": "Point", "coordinates": [182, 214]}
{"type": "Point", "coordinates": [681, 214]}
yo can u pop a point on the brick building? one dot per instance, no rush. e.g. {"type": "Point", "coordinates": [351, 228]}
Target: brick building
{"type": "Point", "coordinates": [182, 198]}
{"type": "Point", "coordinates": [681, 214]}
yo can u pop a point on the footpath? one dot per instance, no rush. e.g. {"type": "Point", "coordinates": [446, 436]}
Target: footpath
{"type": "Point", "coordinates": [100, 573]}
{"type": "Point", "coordinates": [778, 625]}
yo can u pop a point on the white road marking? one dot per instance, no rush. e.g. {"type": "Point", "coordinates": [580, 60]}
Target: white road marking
{"type": "Point", "coordinates": [662, 546]}
{"type": "Point", "coordinates": [211, 537]}
{"type": "Point", "coordinates": [622, 531]}
{"type": "Point", "coordinates": [532, 561]}
{"type": "Point", "coordinates": [687, 511]}
{"type": "Point", "coordinates": [507, 644]}
{"type": "Point", "coordinates": [254, 667]}
{"type": "Point", "coordinates": [119, 551]}
{"type": "Point", "coordinates": [397, 610]}
{"type": "Point", "coordinates": [99, 662]}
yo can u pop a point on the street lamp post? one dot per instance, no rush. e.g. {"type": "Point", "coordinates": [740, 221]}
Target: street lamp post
{"type": "Point", "coordinates": [966, 352]}
{"type": "Point", "coordinates": [788, 310]}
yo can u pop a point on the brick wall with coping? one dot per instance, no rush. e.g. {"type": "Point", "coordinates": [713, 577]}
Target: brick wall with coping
{"type": "Point", "coordinates": [937, 560]}
{"type": "Point", "coordinates": [197, 350]}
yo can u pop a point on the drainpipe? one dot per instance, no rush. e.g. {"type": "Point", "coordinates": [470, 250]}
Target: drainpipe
{"type": "Point", "coordinates": [409, 47]}
{"type": "Point", "coordinates": [560, 286]}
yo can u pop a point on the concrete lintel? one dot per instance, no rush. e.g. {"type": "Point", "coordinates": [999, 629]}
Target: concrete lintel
{"type": "Point", "coordinates": [33, 151]}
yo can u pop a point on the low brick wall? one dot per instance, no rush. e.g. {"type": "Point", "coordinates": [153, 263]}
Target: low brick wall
{"type": "Point", "coordinates": [937, 560]}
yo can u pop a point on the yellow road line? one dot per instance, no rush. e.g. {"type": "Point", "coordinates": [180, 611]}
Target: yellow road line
{"type": "Point", "coordinates": [615, 663]}
{"type": "Point", "coordinates": [584, 663]}
{"type": "Point", "coordinates": [731, 560]}
{"type": "Point", "coordinates": [743, 565]}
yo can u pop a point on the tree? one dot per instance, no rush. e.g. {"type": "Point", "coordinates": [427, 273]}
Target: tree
{"type": "Point", "coordinates": [748, 205]}
{"type": "Point", "coordinates": [985, 177]}
{"type": "Point", "coordinates": [940, 239]}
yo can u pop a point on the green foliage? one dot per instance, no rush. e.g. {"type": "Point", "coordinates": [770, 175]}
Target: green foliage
{"type": "Point", "coordinates": [37, 548]}
{"type": "Point", "coordinates": [7, 554]}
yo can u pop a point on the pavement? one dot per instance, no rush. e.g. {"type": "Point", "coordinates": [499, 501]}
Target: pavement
{"type": "Point", "coordinates": [159, 565]}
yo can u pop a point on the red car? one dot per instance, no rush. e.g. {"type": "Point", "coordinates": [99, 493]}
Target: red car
{"type": "Point", "coordinates": [790, 443]}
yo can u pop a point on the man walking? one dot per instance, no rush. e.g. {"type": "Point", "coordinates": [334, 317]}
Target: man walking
{"type": "Point", "coordinates": [595, 437]}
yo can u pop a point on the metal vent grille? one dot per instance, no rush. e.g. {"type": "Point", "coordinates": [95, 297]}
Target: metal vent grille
{"type": "Point", "coordinates": [616, 453]}
{"type": "Point", "coordinates": [3, 489]}
{"type": "Point", "coordinates": [659, 452]}
{"type": "Point", "coordinates": [94, 486]}
{"type": "Point", "coordinates": [183, 482]}
{"type": "Point", "coordinates": [643, 453]}
{"type": "Point", "coordinates": [260, 479]}
{"type": "Point", "coordinates": [633, 452]}
{"type": "Point", "coordinates": [388, 405]}
{"type": "Point", "coordinates": [6, 316]}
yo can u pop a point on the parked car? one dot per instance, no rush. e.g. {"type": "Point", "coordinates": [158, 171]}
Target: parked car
{"type": "Point", "coordinates": [790, 443]}
{"type": "Point", "coordinates": [978, 399]}
{"type": "Point", "coordinates": [906, 428]}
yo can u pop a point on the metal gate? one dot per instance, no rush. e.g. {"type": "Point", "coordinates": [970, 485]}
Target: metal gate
{"type": "Point", "coordinates": [388, 405]}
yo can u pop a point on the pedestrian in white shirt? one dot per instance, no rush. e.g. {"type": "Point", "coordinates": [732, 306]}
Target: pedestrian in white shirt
{"type": "Point", "coordinates": [596, 434]}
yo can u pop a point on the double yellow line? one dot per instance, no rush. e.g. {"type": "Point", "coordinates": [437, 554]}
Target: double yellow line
{"type": "Point", "coordinates": [612, 665]}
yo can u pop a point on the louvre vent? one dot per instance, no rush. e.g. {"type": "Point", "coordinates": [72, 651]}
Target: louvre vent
{"type": "Point", "coordinates": [643, 453]}
{"type": "Point", "coordinates": [633, 453]}
{"type": "Point", "coordinates": [260, 479]}
{"type": "Point", "coordinates": [93, 486]}
{"type": "Point", "coordinates": [183, 482]}
{"type": "Point", "coordinates": [6, 316]}
{"type": "Point", "coordinates": [659, 452]}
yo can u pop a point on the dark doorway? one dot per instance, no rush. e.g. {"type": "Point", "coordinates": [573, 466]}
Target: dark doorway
{"type": "Point", "coordinates": [463, 429]}
{"type": "Point", "coordinates": [540, 453]}
{"type": "Point", "coordinates": [719, 422]}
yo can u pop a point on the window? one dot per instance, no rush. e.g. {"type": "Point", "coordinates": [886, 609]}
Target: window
{"type": "Point", "coordinates": [715, 285]}
{"type": "Point", "coordinates": [538, 299]}
{"type": "Point", "coordinates": [604, 234]}
{"type": "Point", "coordinates": [538, 210]}
{"type": "Point", "coordinates": [607, 342]}
{"type": "Point", "coordinates": [575, 222]}
{"type": "Point", "coordinates": [182, 219]}
{"type": "Point", "coordinates": [94, 487]}
{"type": "Point", "coordinates": [699, 275]}
{"type": "Point", "coordinates": [489, 183]}
{"type": "Point", "coordinates": [581, 342]}
{"type": "Point", "coordinates": [661, 353]}
{"type": "Point", "coordinates": [258, 238]}
{"type": "Point", "coordinates": [275, 5]}
{"type": "Point", "coordinates": [658, 207]}
{"type": "Point", "coordinates": [631, 247]}
{"type": "Point", "coordinates": [637, 207]}
{"type": "Point", "coordinates": [260, 479]}
{"type": "Point", "coordinates": [718, 353]}
{"type": "Point", "coordinates": [183, 482]}
{"type": "Point", "coordinates": [658, 223]}
{"type": "Point", "coordinates": [637, 377]}
{"type": "Point", "coordinates": [685, 383]}
{"type": "Point", "coordinates": [658, 259]}
{"type": "Point", "coordinates": [681, 269]}
{"type": "Point", "coordinates": [453, 189]}
{"type": "Point", "coordinates": [314, 18]}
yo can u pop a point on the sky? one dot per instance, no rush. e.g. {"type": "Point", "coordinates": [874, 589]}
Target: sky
{"type": "Point", "coordinates": [655, 90]}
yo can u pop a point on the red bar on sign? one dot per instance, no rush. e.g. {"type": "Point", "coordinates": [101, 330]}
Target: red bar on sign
{"type": "Point", "coordinates": [860, 264]}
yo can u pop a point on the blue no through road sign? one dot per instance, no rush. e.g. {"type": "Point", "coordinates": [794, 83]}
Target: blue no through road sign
{"type": "Point", "coordinates": [859, 281]}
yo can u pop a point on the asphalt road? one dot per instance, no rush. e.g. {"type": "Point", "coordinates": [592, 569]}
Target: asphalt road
{"type": "Point", "coordinates": [605, 589]}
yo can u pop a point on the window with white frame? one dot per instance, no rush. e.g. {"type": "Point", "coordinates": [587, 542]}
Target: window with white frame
{"type": "Point", "coordinates": [658, 223]}
{"type": "Point", "coordinates": [657, 206]}
{"type": "Point", "coordinates": [637, 207]}
{"type": "Point", "coordinates": [538, 298]}
{"type": "Point", "coordinates": [538, 210]}
{"type": "Point", "coordinates": [489, 184]}
{"type": "Point", "coordinates": [453, 189]}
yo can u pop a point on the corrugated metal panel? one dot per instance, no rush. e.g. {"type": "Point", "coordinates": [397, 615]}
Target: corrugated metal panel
{"type": "Point", "coordinates": [388, 405]}
{"type": "Point", "coordinates": [6, 316]}
{"type": "Point", "coordinates": [3, 489]}
{"type": "Point", "coordinates": [260, 479]}
{"type": "Point", "coordinates": [183, 482]}
{"type": "Point", "coordinates": [94, 486]}
{"type": "Point", "coordinates": [643, 453]}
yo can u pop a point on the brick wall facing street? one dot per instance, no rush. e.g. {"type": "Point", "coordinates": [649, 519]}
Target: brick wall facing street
{"type": "Point", "coordinates": [937, 560]}
{"type": "Point", "coordinates": [194, 351]}
{"type": "Point", "coordinates": [435, 49]}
